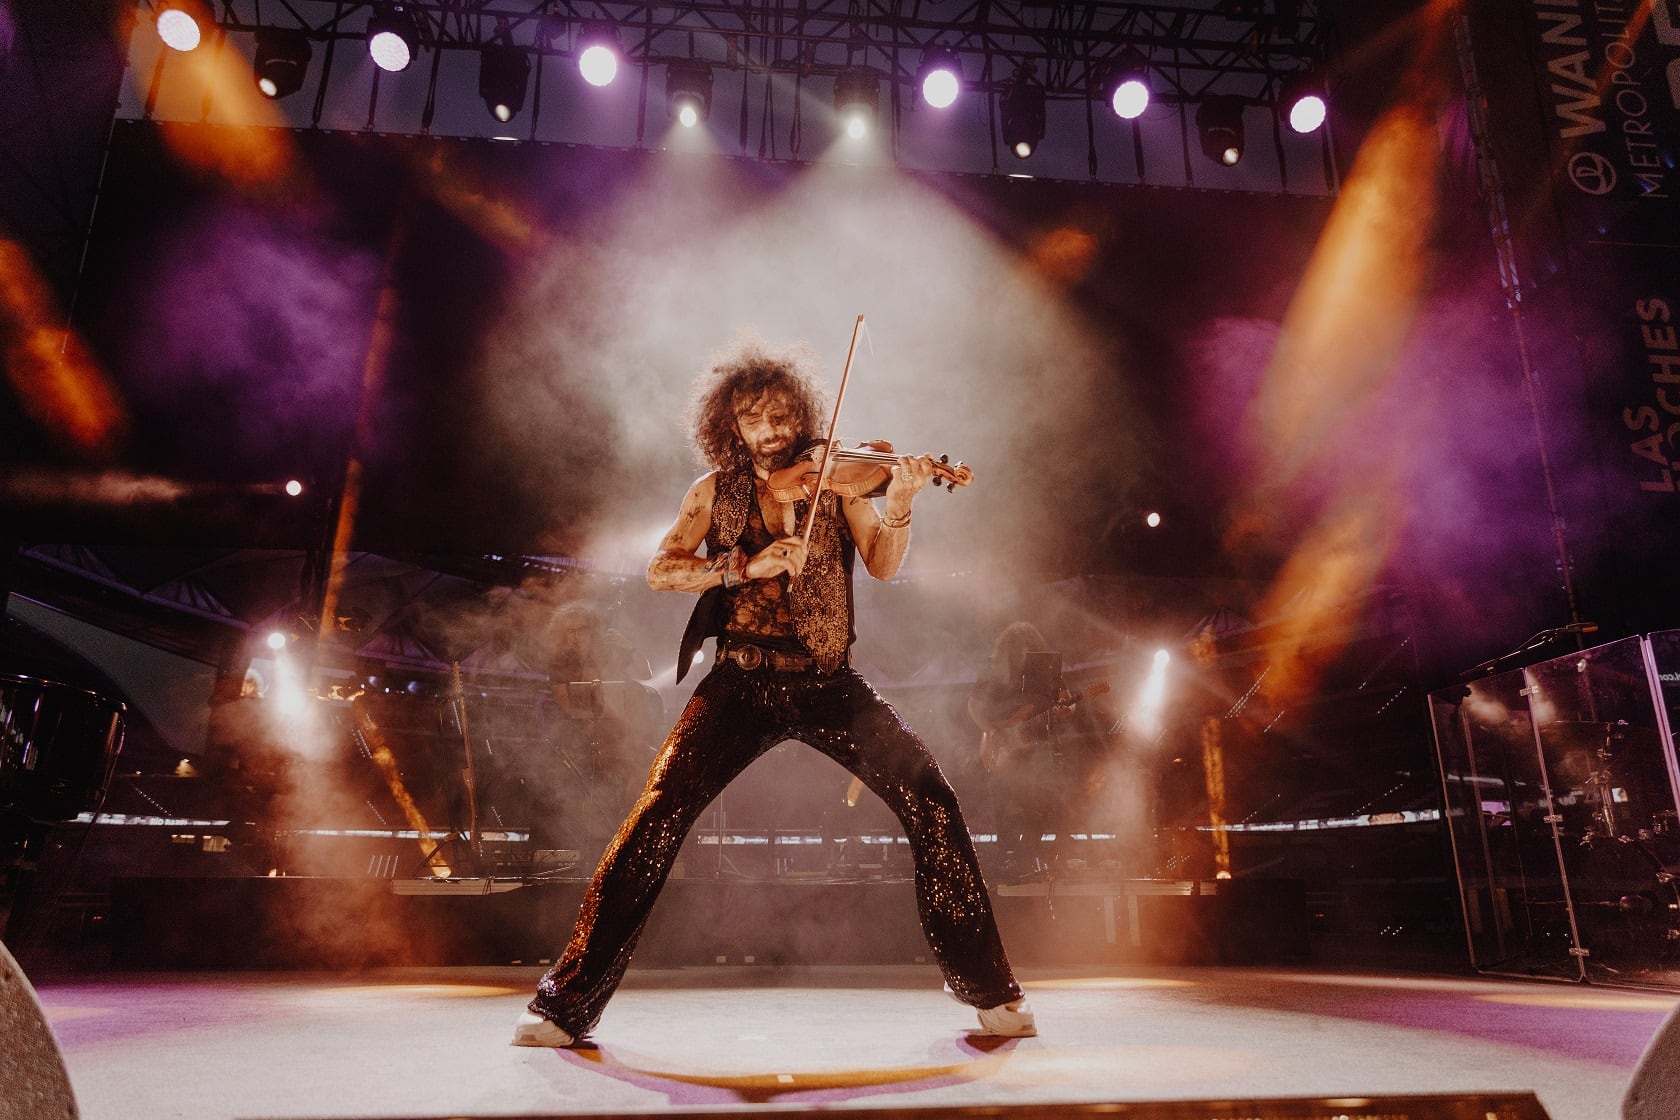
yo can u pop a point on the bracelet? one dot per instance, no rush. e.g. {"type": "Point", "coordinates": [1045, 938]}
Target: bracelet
{"type": "Point", "coordinates": [728, 563]}
{"type": "Point", "coordinates": [899, 523]}
{"type": "Point", "coordinates": [731, 568]}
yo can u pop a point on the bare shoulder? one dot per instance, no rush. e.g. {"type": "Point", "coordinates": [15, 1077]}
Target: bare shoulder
{"type": "Point", "coordinates": [695, 516]}
{"type": "Point", "coordinates": [698, 501]}
{"type": "Point", "coordinates": [704, 488]}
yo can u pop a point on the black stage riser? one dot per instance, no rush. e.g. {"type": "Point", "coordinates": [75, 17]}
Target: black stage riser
{"type": "Point", "coordinates": [291, 922]}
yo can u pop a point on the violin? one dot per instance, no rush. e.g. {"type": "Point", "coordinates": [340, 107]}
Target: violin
{"type": "Point", "coordinates": [857, 472]}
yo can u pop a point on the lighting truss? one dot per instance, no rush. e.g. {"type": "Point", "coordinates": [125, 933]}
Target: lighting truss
{"type": "Point", "coordinates": [795, 51]}
{"type": "Point", "coordinates": [1243, 46]}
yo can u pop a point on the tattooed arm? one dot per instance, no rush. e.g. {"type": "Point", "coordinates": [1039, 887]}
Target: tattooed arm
{"type": "Point", "coordinates": [883, 539]}
{"type": "Point", "coordinates": [677, 566]}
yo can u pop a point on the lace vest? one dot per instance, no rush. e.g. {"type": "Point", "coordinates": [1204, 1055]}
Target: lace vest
{"type": "Point", "coordinates": [821, 598]}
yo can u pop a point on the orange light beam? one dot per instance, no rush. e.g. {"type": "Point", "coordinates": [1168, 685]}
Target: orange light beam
{"type": "Point", "coordinates": [57, 381]}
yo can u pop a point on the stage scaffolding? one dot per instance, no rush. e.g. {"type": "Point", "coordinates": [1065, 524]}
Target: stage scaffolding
{"type": "Point", "coordinates": [775, 65]}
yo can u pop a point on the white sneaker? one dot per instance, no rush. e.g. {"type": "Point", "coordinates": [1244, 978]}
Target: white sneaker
{"type": "Point", "coordinates": [533, 1030]}
{"type": "Point", "coordinates": [1008, 1020]}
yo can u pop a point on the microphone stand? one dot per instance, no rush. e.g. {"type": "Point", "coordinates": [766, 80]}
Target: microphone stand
{"type": "Point", "coordinates": [1492, 665]}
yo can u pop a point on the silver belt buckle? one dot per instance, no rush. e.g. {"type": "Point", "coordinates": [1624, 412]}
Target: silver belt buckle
{"type": "Point", "coordinates": [748, 657]}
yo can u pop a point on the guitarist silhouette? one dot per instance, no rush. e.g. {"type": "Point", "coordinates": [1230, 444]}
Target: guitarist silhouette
{"type": "Point", "coordinates": [1019, 703]}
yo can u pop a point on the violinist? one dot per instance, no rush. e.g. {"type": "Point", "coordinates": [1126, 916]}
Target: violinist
{"type": "Point", "coordinates": [776, 593]}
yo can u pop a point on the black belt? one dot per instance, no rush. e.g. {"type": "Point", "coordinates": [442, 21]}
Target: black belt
{"type": "Point", "coordinates": [749, 656]}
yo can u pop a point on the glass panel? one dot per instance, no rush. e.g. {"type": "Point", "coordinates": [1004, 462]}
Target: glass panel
{"type": "Point", "coordinates": [1560, 791]}
{"type": "Point", "coordinates": [1502, 830]}
{"type": "Point", "coordinates": [1665, 666]}
{"type": "Point", "coordinates": [1599, 722]}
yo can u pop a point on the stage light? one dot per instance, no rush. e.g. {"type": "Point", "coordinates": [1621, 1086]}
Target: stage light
{"type": "Point", "coordinates": [1219, 126]}
{"type": "Point", "coordinates": [857, 98]}
{"type": "Point", "coordinates": [940, 77]}
{"type": "Point", "coordinates": [392, 37]}
{"type": "Point", "coordinates": [1127, 87]}
{"type": "Point", "coordinates": [598, 52]}
{"type": "Point", "coordinates": [280, 61]}
{"type": "Point", "coordinates": [551, 29]}
{"type": "Point", "coordinates": [1021, 114]}
{"type": "Point", "coordinates": [1152, 519]}
{"type": "Point", "coordinates": [181, 23]}
{"type": "Point", "coordinates": [1301, 101]}
{"type": "Point", "coordinates": [504, 71]}
{"type": "Point", "coordinates": [688, 90]}
{"type": "Point", "coordinates": [1151, 698]}
{"type": "Point", "coordinates": [276, 640]}
{"type": "Point", "coordinates": [293, 487]}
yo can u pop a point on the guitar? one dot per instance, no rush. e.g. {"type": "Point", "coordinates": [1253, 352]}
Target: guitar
{"type": "Point", "coordinates": [996, 749]}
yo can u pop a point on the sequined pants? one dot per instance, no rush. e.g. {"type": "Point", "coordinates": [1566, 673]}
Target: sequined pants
{"type": "Point", "coordinates": [735, 716]}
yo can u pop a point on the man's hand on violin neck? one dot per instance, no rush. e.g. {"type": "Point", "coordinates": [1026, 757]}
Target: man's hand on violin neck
{"type": "Point", "coordinates": [911, 474]}
{"type": "Point", "coordinates": [784, 555]}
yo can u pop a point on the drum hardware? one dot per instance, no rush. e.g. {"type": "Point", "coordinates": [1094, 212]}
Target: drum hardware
{"type": "Point", "coordinates": [466, 846]}
{"type": "Point", "coordinates": [58, 755]}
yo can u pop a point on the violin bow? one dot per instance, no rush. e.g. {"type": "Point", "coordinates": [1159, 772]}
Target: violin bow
{"type": "Point", "coordinates": [827, 463]}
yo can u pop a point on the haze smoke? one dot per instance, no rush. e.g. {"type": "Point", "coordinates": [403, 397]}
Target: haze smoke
{"type": "Point", "coordinates": [967, 353]}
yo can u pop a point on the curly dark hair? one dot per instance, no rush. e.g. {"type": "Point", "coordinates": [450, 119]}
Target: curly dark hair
{"type": "Point", "coordinates": [1009, 652]}
{"type": "Point", "coordinates": [749, 371]}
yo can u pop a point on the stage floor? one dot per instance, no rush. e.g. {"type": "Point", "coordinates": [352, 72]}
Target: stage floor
{"type": "Point", "coordinates": [433, 1042]}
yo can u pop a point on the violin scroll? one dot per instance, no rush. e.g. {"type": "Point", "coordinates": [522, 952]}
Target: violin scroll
{"type": "Point", "coordinates": [952, 474]}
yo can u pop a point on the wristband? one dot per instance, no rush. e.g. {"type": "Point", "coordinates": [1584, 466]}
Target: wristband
{"type": "Point", "coordinates": [728, 564]}
{"type": "Point", "coordinates": [899, 523]}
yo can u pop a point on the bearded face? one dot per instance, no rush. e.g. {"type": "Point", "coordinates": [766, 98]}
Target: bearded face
{"type": "Point", "coordinates": [769, 427]}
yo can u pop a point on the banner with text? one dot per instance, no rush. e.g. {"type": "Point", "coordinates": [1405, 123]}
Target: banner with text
{"type": "Point", "coordinates": [1608, 74]}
